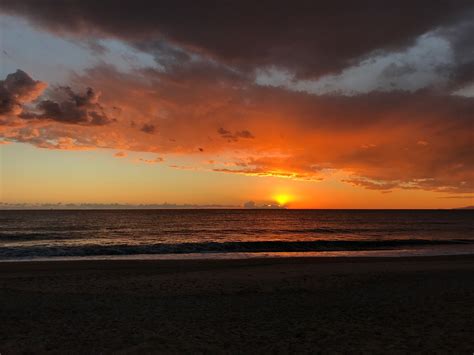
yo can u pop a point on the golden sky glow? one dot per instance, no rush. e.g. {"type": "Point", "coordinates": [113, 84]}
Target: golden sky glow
{"type": "Point", "coordinates": [52, 176]}
{"type": "Point", "coordinates": [282, 199]}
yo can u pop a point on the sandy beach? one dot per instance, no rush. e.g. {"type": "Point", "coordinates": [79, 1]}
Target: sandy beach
{"type": "Point", "coordinates": [389, 305]}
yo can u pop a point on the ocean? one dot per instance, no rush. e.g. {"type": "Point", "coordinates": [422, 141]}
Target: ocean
{"type": "Point", "coordinates": [218, 233]}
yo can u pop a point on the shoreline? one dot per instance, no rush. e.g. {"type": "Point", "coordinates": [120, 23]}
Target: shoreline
{"type": "Point", "coordinates": [466, 249]}
{"type": "Point", "coordinates": [64, 264]}
{"type": "Point", "coordinates": [188, 264]}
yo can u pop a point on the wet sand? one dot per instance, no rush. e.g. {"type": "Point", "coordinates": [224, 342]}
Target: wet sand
{"type": "Point", "coordinates": [382, 305]}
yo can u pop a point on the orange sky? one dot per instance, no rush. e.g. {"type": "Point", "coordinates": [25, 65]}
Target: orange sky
{"type": "Point", "coordinates": [130, 115]}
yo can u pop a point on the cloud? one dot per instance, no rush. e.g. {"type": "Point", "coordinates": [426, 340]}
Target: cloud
{"type": "Point", "coordinates": [384, 186]}
{"type": "Point", "coordinates": [234, 137]}
{"type": "Point", "coordinates": [290, 167]}
{"type": "Point", "coordinates": [16, 90]}
{"type": "Point", "coordinates": [429, 62]}
{"type": "Point", "coordinates": [468, 197]}
{"type": "Point", "coordinates": [106, 206]}
{"type": "Point", "coordinates": [308, 38]}
{"type": "Point", "coordinates": [148, 128]}
{"type": "Point", "coordinates": [378, 92]}
{"type": "Point", "coordinates": [70, 108]}
{"type": "Point", "coordinates": [460, 36]}
{"type": "Point", "coordinates": [151, 161]}
{"type": "Point", "coordinates": [371, 139]}
{"type": "Point", "coordinates": [267, 205]}
{"type": "Point", "coordinates": [121, 155]}
{"type": "Point", "coordinates": [24, 98]}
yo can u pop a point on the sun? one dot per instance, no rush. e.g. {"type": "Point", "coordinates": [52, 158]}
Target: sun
{"type": "Point", "coordinates": [282, 199]}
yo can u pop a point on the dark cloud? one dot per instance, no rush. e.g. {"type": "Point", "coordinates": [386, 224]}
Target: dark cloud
{"type": "Point", "coordinates": [164, 53]}
{"type": "Point", "coordinates": [17, 89]}
{"type": "Point", "coordinates": [244, 134]}
{"type": "Point", "coordinates": [308, 37]}
{"type": "Point", "coordinates": [148, 128]}
{"type": "Point", "coordinates": [225, 133]}
{"type": "Point", "coordinates": [8, 104]}
{"type": "Point", "coordinates": [235, 136]}
{"type": "Point", "coordinates": [396, 70]}
{"type": "Point", "coordinates": [70, 107]}
{"type": "Point", "coordinates": [21, 96]}
{"type": "Point", "coordinates": [462, 40]}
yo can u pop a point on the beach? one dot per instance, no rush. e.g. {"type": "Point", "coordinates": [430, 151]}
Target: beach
{"type": "Point", "coordinates": [282, 305]}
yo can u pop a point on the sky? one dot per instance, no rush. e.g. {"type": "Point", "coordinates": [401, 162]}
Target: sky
{"type": "Point", "coordinates": [306, 104]}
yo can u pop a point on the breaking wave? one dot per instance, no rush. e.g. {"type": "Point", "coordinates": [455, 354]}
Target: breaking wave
{"type": "Point", "coordinates": [224, 247]}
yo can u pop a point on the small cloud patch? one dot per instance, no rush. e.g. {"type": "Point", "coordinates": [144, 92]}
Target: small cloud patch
{"type": "Point", "coordinates": [234, 136]}
{"type": "Point", "coordinates": [151, 161]}
{"type": "Point", "coordinates": [148, 128]}
{"type": "Point", "coordinates": [120, 155]}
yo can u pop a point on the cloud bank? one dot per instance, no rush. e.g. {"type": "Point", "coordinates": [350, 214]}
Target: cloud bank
{"type": "Point", "coordinates": [377, 91]}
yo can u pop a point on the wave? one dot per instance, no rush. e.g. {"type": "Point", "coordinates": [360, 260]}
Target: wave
{"type": "Point", "coordinates": [84, 234]}
{"type": "Point", "coordinates": [224, 247]}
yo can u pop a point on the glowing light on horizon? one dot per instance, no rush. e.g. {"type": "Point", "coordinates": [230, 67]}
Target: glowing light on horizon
{"type": "Point", "coordinates": [282, 199]}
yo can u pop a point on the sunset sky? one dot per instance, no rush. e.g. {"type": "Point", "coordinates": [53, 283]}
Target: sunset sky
{"type": "Point", "coordinates": [334, 104]}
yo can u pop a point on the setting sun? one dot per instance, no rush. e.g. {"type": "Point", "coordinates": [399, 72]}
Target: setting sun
{"type": "Point", "coordinates": [282, 199]}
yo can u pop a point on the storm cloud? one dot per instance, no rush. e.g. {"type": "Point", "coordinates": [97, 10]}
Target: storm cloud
{"type": "Point", "coordinates": [17, 89]}
{"type": "Point", "coordinates": [22, 97]}
{"type": "Point", "coordinates": [71, 108]}
{"type": "Point", "coordinates": [307, 37]}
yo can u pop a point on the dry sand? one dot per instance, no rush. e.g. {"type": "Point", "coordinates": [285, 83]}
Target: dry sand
{"type": "Point", "coordinates": [290, 305]}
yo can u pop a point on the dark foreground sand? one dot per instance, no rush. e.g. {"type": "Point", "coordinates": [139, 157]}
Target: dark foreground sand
{"type": "Point", "coordinates": [239, 306]}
